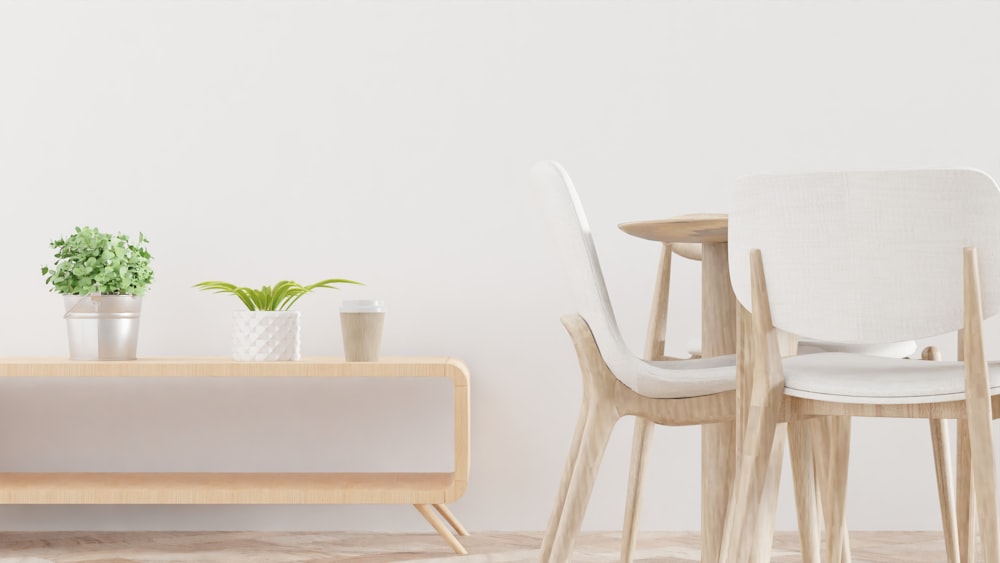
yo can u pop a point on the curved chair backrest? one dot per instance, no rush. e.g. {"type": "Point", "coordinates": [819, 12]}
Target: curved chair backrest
{"type": "Point", "coordinates": [571, 231]}
{"type": "Point", "coordinates": [867, 256]}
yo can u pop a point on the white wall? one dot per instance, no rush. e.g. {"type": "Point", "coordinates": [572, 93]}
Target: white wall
{"type": "Point", "coordinates": [390, 142]}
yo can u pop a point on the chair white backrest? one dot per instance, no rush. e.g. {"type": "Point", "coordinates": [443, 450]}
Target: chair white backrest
{"type": "Point", "coordinates": [867, 256]}
{"type": "Point", "coordinates": [575, 244]}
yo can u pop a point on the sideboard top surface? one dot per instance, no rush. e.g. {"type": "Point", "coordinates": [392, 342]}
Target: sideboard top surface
{"type": "Point", "coordinates": [225, 367]}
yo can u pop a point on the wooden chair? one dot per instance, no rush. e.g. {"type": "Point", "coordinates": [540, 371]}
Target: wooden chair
{"type": "Point", "coordinates": [616, 383]}
{"type": "Point", "coordinates": [865, 257]}
{"type": "Point", "coordinates": [945, 476]}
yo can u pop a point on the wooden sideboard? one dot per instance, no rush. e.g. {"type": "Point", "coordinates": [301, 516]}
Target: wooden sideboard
{"type": "Point", "coordinates": [423, 490]}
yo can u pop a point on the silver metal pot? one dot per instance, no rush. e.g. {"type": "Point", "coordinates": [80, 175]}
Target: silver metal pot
{"type": "Point", "coordinates": [102, 327]}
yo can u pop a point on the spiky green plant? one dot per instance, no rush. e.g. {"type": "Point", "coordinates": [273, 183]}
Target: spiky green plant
{"type": "Point", "coordinates": [278, 297]}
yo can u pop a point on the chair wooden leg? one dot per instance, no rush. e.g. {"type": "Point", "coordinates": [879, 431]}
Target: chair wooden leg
{"type": "Point", "coordinates": [600, 422]}
{"type": "Point", "coordinates": [756, 547]}
{"type": "Point", "coordinates": [803, 473]}
{"type": "Point", "coordinates": [764, 539]}
{"type": "Point", "coordinates": [945, 477]}
{"type": "Point", "coordinates": [441, 529]}
{"type": "Point", "coordinates": [641, 439]}
{"type": "Point", "coordinates": [984, 476]}
{"type": "Point", "coordinates": [748, 487]}
{"type": "Point", "coordinates": [964, 507]}
{"type": "Point", "coordinates": [840, 438]}
{"type": "Point", "coordinates": [978, 412]}
{"type": "Point", "coordinates": [820, 430]}
{"type": "Point", "coordinates": [557, 510]}
{"type": "Point", "coordinates": [965, 510]}
{"type": "Point", "coordinates": [451, 520]}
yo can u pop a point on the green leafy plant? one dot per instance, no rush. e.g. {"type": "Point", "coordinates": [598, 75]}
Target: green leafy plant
{"type": "Point", "coordinates": [279, 297]}
{"type": "Point", "coordinates": [90, 261]}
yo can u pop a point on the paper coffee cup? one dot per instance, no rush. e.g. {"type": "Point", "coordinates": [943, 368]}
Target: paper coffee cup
{"type": "Point", "coordinates": [361, 325]}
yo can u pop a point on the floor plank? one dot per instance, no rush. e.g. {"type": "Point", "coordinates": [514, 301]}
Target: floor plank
{"type": "Point", "coordinates": [493, 547]}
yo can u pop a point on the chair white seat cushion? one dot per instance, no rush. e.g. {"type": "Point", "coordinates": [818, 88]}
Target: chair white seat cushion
{"type": "Point", "coordinates": [679, 379]}
{"type": "Point", "coordinates": [854, 378]}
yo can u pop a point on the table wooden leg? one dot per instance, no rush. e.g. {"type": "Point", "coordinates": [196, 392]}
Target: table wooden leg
{"type": "Point", "coordinates": [718, 441]}
{"type": "Point", "coordinates": [718, 466]}
{"type": "Point", "coordinates": [643, 433]}
{"type": "Point", "coordinates": [718, 306]}
{"type": "Point", "coordinates": [744, 365]}
{"type": "Point", "coordinates": [656, 331]}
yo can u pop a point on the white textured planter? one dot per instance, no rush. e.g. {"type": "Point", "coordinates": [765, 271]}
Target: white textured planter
{"type": "Point", "coordinates": [265, 336]}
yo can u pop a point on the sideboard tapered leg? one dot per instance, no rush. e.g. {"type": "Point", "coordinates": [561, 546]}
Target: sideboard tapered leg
{"type": "Point", "coordinates": [450, 519]}
{"type": "Point", "coordinates": [441, 529]}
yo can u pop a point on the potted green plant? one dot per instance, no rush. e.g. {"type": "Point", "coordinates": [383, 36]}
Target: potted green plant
{"type": "Point", "coordinates": [267, 330]}
{"type": "Point", "coordinates": [102, 278]}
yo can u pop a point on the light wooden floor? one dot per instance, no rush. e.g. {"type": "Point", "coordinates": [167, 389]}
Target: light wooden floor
{"type": "Point", "coordinates": [282, 547]}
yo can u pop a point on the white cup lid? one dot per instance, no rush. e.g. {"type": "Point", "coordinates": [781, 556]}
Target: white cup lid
{"type": "Point", "coordinates": [363, 306]}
